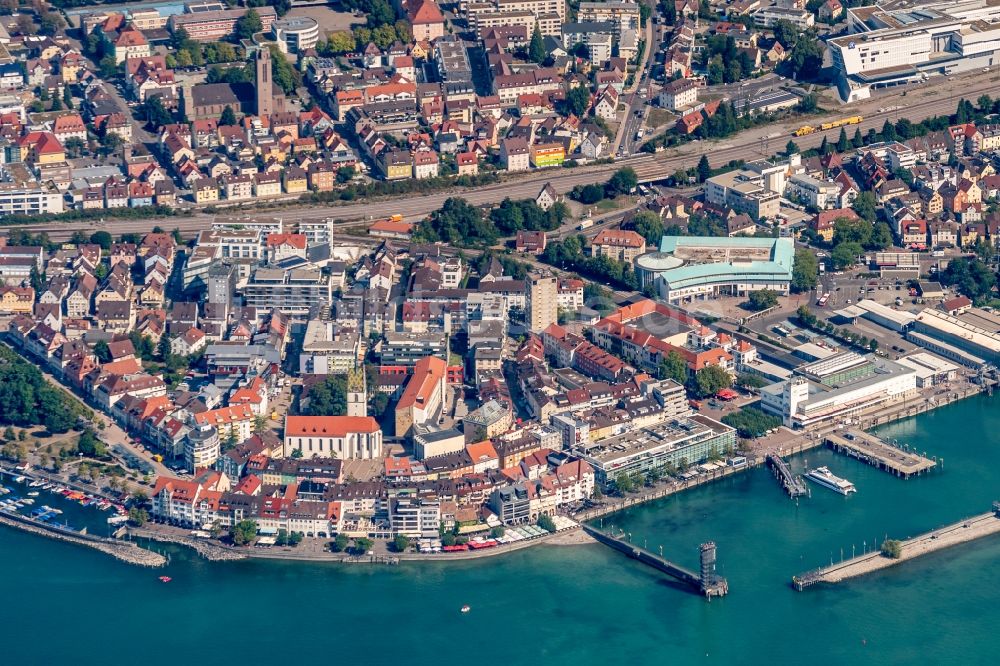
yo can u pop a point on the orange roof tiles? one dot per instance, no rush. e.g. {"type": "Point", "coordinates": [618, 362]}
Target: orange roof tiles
{"type": "Point", "coordinates": [427, 373]}
{"type": "Point", "coordinates": [328, 426]}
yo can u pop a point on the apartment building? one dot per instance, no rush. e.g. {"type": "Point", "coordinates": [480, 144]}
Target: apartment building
{"type": "Point", "coordinates": [543, 302]}
{"type": "Point", "coordinates": [297, 292]}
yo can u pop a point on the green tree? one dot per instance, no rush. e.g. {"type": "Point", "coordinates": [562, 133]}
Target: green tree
{"type": "Point", "coordinates": [786, 33]}
{"type": "Point", "coordinates": [102, 238]}
{"type": "Point", "coordinates": [137, 517]}
{"type": "Point", "coordinates": [623, 181]}
{"type": "Point", "coordinates": [704, 169]}
{"type": "Point", "coordinates": [547, 524]}
{"type": "Point", "coordinates": [842, 143]}
{"type": "Point", "coordinates": [362, 545]}
{"type": "Point", "coordinates": [536, 48]}
{"type": "Point", "coordinates": [648, 224]}
{"type": "Point", "coordinates": [102, 351]}
{"type": "Point", "coordinates": [400, 544]}
{"type": "Point", "coordinates": [624, 483]}
{"type": "Point", "coordinates": [497, 532]}
{"type": "Point", "coordinates": [846, 254]}
{"type": "Point", "coordinates": [108, 67]}
{"type": "Point", "coordinates": [711, 379]}
{"type": "Point", "coordinates": [243, 532]}
{"type": "Point", "coordinates": [155, 113]}
{"type": "Point", "coordinates": [847, 230]}
{"type": "Point", "coordinates": [228, 116]}
{"type": "Point", "coordinates": [881, 238]}
{"type": "Point", "coordinates": [805, 271]}
{"type": "Point", "coordinates": [340, 544]}
{"type": "Point", "coordinates": [971, 277]}
{"type": "Point", "coordinates": [673, 366]}
{"type": "Point", "coordinates": [892, 549]}
{"type": "Point", "coordinates": [578, 101]}
{"type": "Point", "coordinates": [806, 58]}
{"type": "Point", "coordinates": [329, 397]}
{"type": "Point", "coordinates": [248, 25]}
{"type": "Point", "coordinates": [866, 206]}
{"type": "Point", "coordinates": [762, 299]}
{"type": "Point", "coordinates": [791, 148]}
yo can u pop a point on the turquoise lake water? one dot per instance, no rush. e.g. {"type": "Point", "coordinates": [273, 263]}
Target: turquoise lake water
{"type": "Point", "coordinates": [566, 604]}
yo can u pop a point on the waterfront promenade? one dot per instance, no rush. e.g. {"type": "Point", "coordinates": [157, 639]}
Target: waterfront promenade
{"type": "Point", "coordinates": [969, 529]}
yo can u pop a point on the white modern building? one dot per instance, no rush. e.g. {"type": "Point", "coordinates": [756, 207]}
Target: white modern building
{"type": "Point", "coordinates": [296, 33]}
{"type": "Point", "coordinates": [201, 447]}
{"type": "Point", "coordinates": [837, 388]}
{"type": "Point", "coordinates": [897, 42]}
{"type": "Point", "coordinates": [30, 200]}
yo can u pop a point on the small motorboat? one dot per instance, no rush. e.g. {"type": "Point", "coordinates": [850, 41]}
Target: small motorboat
{"type": "Point", "coordinates": [165, 579]}
{"type": "Point", "coordinates": [33, 494]}
{"type": "Point", "coordinates": [466, 608]}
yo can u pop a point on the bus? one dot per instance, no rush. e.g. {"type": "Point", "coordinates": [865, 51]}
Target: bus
{"type": "Point", "coordinates": [823, 299]}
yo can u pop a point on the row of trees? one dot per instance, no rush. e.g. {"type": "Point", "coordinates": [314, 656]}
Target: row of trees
{"type": "Point", "coordinates": [622, 181]}
{"type": "Point", "coordinates": [378, 188]}
{"type": "Point", "coordinates": [809, 320]}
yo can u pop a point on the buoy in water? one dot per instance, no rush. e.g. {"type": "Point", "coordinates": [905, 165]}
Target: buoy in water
{"type": "Point", "coordinates": [466, 608]}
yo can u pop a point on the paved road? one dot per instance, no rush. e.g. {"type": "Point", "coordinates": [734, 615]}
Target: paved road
{"type": "Point", "coordinates": [635, 108]}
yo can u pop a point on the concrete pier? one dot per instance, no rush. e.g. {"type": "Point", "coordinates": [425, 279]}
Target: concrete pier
{"type": "Point", "coordinates": [969, 529]}
{"type": "Point", "coordinates": [869, 448]}
{"type": "Point", "coordinates": [708, 582]}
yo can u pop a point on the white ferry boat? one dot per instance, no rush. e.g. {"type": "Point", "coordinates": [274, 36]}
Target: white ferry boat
{"type": "Point", "coordinates": [823, 477]}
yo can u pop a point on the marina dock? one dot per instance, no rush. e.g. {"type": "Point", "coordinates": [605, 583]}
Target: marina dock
{"type": "Point", "coordinates": [707, 582]}
{"type": "Point", "coordinates": [792, 484]}
{"type": "Point", "coordinates": [969, 529]}
{"type": "Point", "coordinates": [869, 448]}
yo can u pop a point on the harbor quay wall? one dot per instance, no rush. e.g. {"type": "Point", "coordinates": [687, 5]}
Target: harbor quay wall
{"type": "Point", "coordinates": [969, 529]}
{"type": "Point", "coordinates": [210, 551]}
{"type": "Point", "coordinates": [126, 552]}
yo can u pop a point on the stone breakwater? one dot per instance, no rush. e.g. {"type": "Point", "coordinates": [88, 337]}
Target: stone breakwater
{"type": "Point", "coordinates": [126, 552]}
{"type": "Point", "coordinates": [207, 550]}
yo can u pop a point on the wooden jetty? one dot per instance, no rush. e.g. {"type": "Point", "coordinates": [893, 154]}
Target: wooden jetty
{"type": "Point", "coordinates": [969, 529]}
{"type": "Point", "coordinates": [792, 484]}
{"type": "Point", "coordinates": [707, 582]}
{"type": "Point", "coordinates": [869, 448]}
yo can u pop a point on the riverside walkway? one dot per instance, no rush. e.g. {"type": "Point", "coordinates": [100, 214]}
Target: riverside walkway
{"type": "Point", "coordinates": [969, 529]}
{"type": "Point", "coordinates": [878, 453]}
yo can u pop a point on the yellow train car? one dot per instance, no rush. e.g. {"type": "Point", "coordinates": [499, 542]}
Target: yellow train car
{"type": "Point", "coordinates": [850, 120]}
{"type": "Point", "coordinates": [804, 130]}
